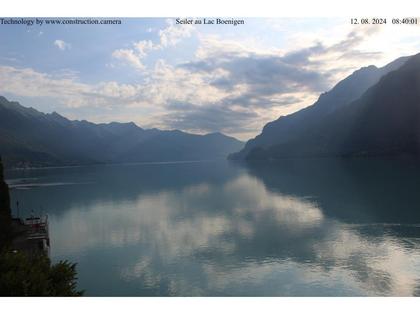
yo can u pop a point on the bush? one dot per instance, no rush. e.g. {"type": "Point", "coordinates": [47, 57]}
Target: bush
{"type": "Point", "coordinates": [24, 275]}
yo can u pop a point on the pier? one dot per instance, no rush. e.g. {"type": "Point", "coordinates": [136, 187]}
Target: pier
{"type": "Point", "coordinates": [31, 235]}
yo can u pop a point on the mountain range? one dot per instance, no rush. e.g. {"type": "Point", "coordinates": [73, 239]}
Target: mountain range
{"type": "Point", "coordinates": [372, 112]}
{"type": "Point", "coordinates": [32, 138]}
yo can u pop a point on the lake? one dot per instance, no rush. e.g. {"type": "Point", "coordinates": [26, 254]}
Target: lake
{"type": "Point", "coordinates": [219, 228]}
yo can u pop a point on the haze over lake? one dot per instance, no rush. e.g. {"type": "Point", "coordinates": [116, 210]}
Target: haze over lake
{"type": "Point", "coordinates": [218, 228]}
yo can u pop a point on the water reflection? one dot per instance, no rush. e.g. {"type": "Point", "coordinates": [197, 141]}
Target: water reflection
{"type": "Point", "coordinates": [292, 228]}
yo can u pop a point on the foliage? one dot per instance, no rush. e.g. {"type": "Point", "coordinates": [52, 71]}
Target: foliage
{"type": "Point", "coordinates": [30, 275]}
{"type": "Point", "coordinates": [24, 275]}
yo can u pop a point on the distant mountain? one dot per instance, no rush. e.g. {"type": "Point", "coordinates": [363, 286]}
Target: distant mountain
{"type": "Point", "coordinates": [331, 125]}
{"type": "Point", "coordinates": [29, 137]}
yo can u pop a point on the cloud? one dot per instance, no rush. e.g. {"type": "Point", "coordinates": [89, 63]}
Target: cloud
{"type": "Point", "coordinates": [143, 47]}
{"type": "Point", "coordinates": [229, 86]}
{"type": "Point", "coordinates": [130, 57]}
{"type": "Point", "coordinates": [251, 83]}
{"type": "Point", "coordinates": [273, 72]}
{"type": "Point", "coordinates": [168, 37]}
{"type": "Point", "coordinates": [173, 34]}
{"type": "Point", "coordinates": [267, 75]}
{"type": "Point", "coordinates": [28, 82]}
{"type": "Point", "coordinates": [61, 44]}
{"type": "Point", "coordinates": [209, 118]}
{"type": "Point", "coordinates": [64, 87]}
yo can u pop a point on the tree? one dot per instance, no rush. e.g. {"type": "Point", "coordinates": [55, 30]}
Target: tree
{"type": "Point", "coordinates": [25, 275]}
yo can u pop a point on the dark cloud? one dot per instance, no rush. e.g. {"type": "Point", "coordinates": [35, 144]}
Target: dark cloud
{"type": "Point", "coordinates": [210, 118]}
{"type": "Point", "coordinates": [301, 57]}
{"type": "Point", "coordinates": [259, 101]}
{"type": "Point", "coordinates": [274, 74]}
{"type": "Point", "coordinates": [224, 116]}
{"type": "Point", "coordinates": [354, 39]}
{"type": "Point", "coordinates": [263, 76]}
{"type": "Point", "coordinates": [347, 47]}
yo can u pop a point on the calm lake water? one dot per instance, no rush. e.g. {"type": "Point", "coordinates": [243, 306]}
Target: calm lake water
{"type": "Point", "coordinates": [288, 228]}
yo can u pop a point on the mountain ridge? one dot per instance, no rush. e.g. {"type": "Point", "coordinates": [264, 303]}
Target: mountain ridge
{"type": "Point", "coordinates": [289, 129]}
{"type": "Point", "coordinates": [32, 138]}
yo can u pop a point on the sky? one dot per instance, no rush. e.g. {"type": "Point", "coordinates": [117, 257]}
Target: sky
{"type": "Point", "coordinates": [195, 78]}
